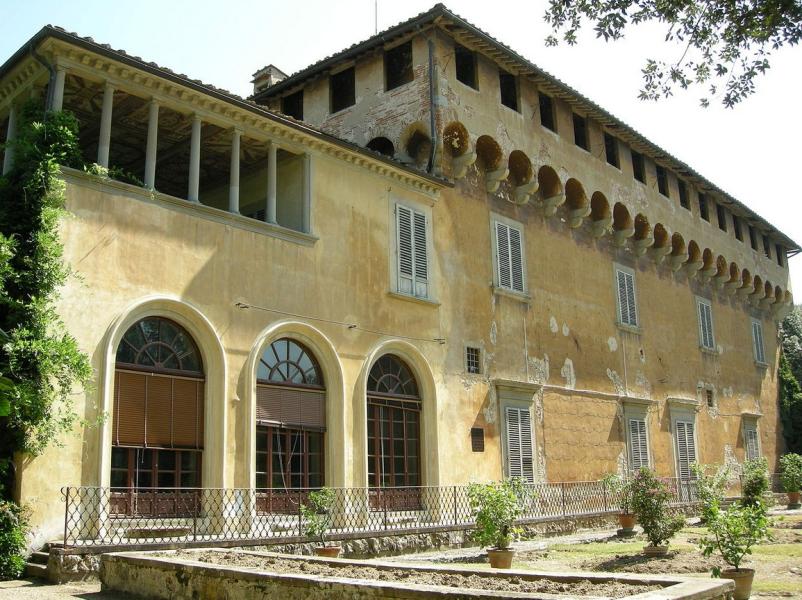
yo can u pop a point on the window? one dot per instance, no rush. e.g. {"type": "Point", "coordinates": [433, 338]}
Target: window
{"type": "Point", "coordinates": [581, 132]}
{"type": "Point", "coordinates": [753, 237]}
{"type": "Point", "coordinates": [520, 451]}
{"type": "Point", "coordinates": [751, 442]}
{"type": "Point", "coordinates": [662, 181]}
{"type": "Point", "coordinates": [398, 66]}
{"type": "Point", "coordinates": [611, 150]}
{"type": "Point", "coordinates": [465, 62]}
{"type": "Point", "coordinates": [706, 339]}
{"type": "Point", "coordinates": [473, 362]}
{"type": "Point", "coordinates": [704, 210]}
{"type": "Point", "coordinates": [638, 443]}
{"type": "Point", "coordinates": [547, 111]}
{"type": "Point", "coordinates": [627, 307]}
{"type": "Point", "coordinates": [477, 439]}
{"type": "Point", "coordinates": [412, 251]}
{"type": "Point", "coordinates": [721, 213]}
{"type": "Point", "coordinates": [780, 254]}
{"type": "Point", "coordinates": [638, 169]}
{"type": "Point", "coordinates": [342, 89]}
{"type": "Point", "coordinates": [508, 85]}
{"type": "Point", "coordinates": [736, 227]}
{"type": "Point", "coordinates": [293, 105]}
{"type": "Point", "coordinates": [509, 257]}
{"type": "Point", "coordinates": [686, 447]}
{"type": "Point", "coordinates": [710, 398]}
{"type": "Point", "coordinates": [147, 468]}
{"type": "Point", "coordinates": [757, 342]}
{"type": "Point", "coordinates": [767, 246]}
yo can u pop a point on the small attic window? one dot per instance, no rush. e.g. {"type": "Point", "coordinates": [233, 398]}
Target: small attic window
{"type": "Point", "coordinates": [753, 237]}
{"type": "Point", "coordinates": [704, 210]}
{"type": "Point", "coordinates": [736, 227]}
{"type": "Point", "coordinates": [342, 89]}
{"type": "Point", "coordinates": [508, 86]}
{"type": "Point", "coordinates": [611, 150]}
{"type": "Point", "coordinates": [662, 181]}
{"type": "Point", "coordinates": [767, 246]}
{"type": "Point", "coordinates": [684, 201]}
{"type": "Point", "coordinates": [780, 254]}
{"type": "Point", "coordinates": [546, 111]}
{"type": "Point", "coordinates": [581, 131]}
{"type": "Point", "coordinates": [293, 105]}
{"type": "Point", "coordinates": [465, 61]}
{"type": "Point", "coordinates": [721, 213]}
{"type": "Point", "coordinates": [398, 66]}
{"type": "Point", "coordinates": [638, 169]}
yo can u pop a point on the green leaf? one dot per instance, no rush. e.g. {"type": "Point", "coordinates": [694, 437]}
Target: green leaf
{"type": "Point", "coordinates": [5, 407]}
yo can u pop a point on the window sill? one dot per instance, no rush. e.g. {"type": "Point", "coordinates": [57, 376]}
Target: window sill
{"type": "Point", "coordinates": [514, 110]}
{"type": "Point", "coordinates": [338, 111]}
{"type": "Point", "coordinates": [761, 365]}
{"type": "Point", "coordinates": [634, 329]}
{"type": "Point", "coordinates": [710, 351]}
{"type": "Point", "coordinates": [467, 85]}
{"type": "Point", "coordinates": [415, 299]}
{"type": "Point", "coordinates": [549, 130]}
{"type": "Point", "coordinates": [520, 296]}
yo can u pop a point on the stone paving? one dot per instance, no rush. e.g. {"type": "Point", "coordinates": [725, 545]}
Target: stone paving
{"type": "Point", "coordinates": [36, 589]}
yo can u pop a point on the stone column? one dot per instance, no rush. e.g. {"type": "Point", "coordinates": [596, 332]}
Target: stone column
{"type": "Point", "coordinates": [104, 142]}
{"type": "Point", "coordinates": [8, 157]}
{"type": "Point", "coordinates": [194, 160]}
{"type": "Point", "coordinates": [307, 194]}
{"type": "Point", "coordinates": [152, 144]}
{"type": "Point", "coordinates": [270, 209]}
{"type": "Point", "coordinates": [233, 181]}
{"type": "Point", "coordinates": [58, 89]}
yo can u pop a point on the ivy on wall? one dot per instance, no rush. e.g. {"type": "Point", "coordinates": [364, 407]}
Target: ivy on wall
{"type": "Point", "coordinates": [40, 361]}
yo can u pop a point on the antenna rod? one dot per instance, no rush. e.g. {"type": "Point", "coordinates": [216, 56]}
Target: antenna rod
{"type": "Point", "coordinates": [375, 16]}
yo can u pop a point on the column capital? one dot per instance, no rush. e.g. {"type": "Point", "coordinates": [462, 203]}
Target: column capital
{"type": "Point", "coordinates": [108, 85]}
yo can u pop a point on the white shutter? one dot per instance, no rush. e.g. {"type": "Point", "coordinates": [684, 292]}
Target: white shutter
{"type": "Point", "coordinates": [626, 298]}
{"type": "Point", "coordinates": [503, 255]}
{"type": "Point", "coordinates": [638, 444]}
{"type": "Point", "coordinates": [520, 448]}
{"type": "Point", "coordinates": [527, 450]}
{"type": "Point", "coordinates": [413, 260]}
{"type": "Point", "coordinates": [752, 448]}
{"type": "Point", "coordinates": [686, 448]}
{"type": "Point", "coordinates": [757, 341]}
{"type": "Point", "coordinates": [516, 260]}
{"type": "Point", "coordinates": [706, 326]}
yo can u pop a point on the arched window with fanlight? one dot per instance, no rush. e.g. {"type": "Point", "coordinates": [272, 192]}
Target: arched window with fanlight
{"type": "Point", "coordinates": [290, 418]}
{"type": "Point", "coordinates": [394, 413]}
{"type": "Point", "coordinates": [157, 426]}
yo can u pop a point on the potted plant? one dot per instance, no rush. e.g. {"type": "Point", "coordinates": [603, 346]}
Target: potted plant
{"type": "Point", "coordinates": [754, 481]}
{"type": "Point", "coordinates": [710, 488]}
{"type": "Point", "coordinates": [791, 467]}
{"type": "Point", "coordinates": [732, 533]}
{"type": "Point", "coordinates": [495, 507]}
{"type": "Point", "coordinates": [650, 498]}
{"type": "Point", "coordinates": [621, 490]}
{"type": "Point", "coordinates": [317, 519]}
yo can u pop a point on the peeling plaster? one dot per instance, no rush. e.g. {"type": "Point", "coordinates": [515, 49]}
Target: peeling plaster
{"type": "Point", "coordinates": [612, 344]}
{"type": "Point", "coordinates": [539, 405]}
{"type": "Point", "coordinates": [727, 391]}
{"type": "Point", "coordinates": [617, 383]}
{"type": "Point", "coordinates": [642, 355]}
{"type": "Point", "coordinates": [567, 372]}
{"type": "Point", "coordinates": [493, 333]}
{"type": "Point", "coordinates": [623, 463]}
{"type": "Point", "coordinates": [720, 349]}
{"type": "Point", "coordinates": [490, 412]}
{"type": "Point", "coordinates": [642, 382]}
{"type": "Point", "coordinates": [732, 462]}
{"type": "Point", "coordinates": [538, 369]}
{"type": "Point", "coordinates": [541, 466]}
{"type": "Point", "coordinates": [553, 325]}
{"type": "Point", "coordinates": [566, 331]}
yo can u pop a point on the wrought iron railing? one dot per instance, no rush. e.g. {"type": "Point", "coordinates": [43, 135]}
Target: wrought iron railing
{"type": "Point", "coordinates": [96, 516]}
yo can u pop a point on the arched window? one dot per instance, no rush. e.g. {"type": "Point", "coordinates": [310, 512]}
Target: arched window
{"type": "Point", "coordinates": [290, 418]}
{"type": "Point", "coordinates": [157, 429]}
{"type": "Point", "coordinates": [394, 409]}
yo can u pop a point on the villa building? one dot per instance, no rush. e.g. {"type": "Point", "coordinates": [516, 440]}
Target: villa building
{"type": "Point", "coordinates": [422, 261]}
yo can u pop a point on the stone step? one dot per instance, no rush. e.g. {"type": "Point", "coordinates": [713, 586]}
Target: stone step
{"type": "Point", "coordinates": [36, 570]}
{"type": "Point", "coordinates": [39, 558]}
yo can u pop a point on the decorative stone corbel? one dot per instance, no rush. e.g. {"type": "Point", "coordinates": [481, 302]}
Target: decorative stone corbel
{"type": "Point", "coordinates": [521, 193]}
{"type": "Point", "coordinates": [599, 228]}
{"type": "Point", "coordinates": [721, 279]}
{"type": "Point", "coordinates": [494, 178]}
{"type": "Point", "coordinates": [659, 253]}
{"type": "Point", "coordinates": [756, 296]}
{"type": "Point", "coordinates": [706, 274]}
{"type": "Point", "coordinates": [641, 245]}
{"type": "Point", "coordinates": [551, 204]}
{"type": "Point", "coordinates": [731, 287]}
{"type": "Point", "coordinates": [576, 216]}
{"type": "Point", "coordinates": [745, 289]}
{"type": "Point", "coordinates": [780, 310]}
{"type": "Point", "coordinates": [766, 302]}
{"type": "Point", "coordinates": [460, 164]}
{"type": "Point", "coordinates": [620, 236]}
{"type": "Point", "coordinates": [692, 268]}
{"type": "Point", "coordinates": [675, 261]}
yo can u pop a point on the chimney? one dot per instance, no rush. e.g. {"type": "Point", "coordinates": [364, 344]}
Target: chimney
{"type": "Point", "coordinates": [267, 76]}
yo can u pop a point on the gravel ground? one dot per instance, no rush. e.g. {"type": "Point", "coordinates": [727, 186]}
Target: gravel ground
{"type": "Point", "coordinates": [36, 589]}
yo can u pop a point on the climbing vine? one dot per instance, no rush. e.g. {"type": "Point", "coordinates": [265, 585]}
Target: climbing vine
{"type": "Point", "coordinates": [40, 361]}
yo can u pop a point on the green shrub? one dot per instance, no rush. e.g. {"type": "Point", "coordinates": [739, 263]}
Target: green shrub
{"type": "Point", "coordinates": [496, 507]}
{"type": "Point", "coordinates": [317, 516]}
{"type": "Point", "coordinates": [733, 532]}
{"type": "Point", "coordinates": [13, 526]}
{"type": "Point", "coordinates": [710, 488]}
{"type": "Point", "coordinates": [650, 498]}
{"type": "Point", "coordinates": [755, 481]}
{"type": "Point", "coordinates": [791, 467]}
{"type": "Point", "coordinates": [621, 490]}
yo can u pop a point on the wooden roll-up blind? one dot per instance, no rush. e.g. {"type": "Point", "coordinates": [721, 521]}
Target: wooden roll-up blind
{"type": "Point", "coordinates": [153, 410]}
{"type": "Point", "coordinates": [291, 406]}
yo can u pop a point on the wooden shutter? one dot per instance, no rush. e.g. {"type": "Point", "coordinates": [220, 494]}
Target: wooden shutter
{"type": "Point", "coordinates": [638, 444]}
{"type": "Point", "coordinates": [159, 419]}
{"type": "Point", "coordinates": [706, 326]}
{"type": "Point", "coordinates": [291, 406]}
{"type": "Point", "coordinates": [527, 453]}
{"type": "Point", "coordinates": [421, 258]}
{"type": "Point", "coordinates": [752, 448]}
{"type": "Point", "coordinates": [187, 413]}
{"type": "Point", "coordinates": [503, 255]}
{"type": "Point", "coordinates": [626, 298]}
{"type": "Point", "coordinates": [686, 448]}
{"type": "Point", "coordinates": [129, 409]}
{"type": "Point", "coordinates": [757, 341]}
{"type": "Point", "coordinates": [516, 260]}
{"type": "Point", "coordinates": [520, 455]}
{"type": "Point", "coordinates": [413, 260]}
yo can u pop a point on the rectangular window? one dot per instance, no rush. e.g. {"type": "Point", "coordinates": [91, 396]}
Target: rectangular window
{"type": "Point", "coordinates": [627, 308]}
{"type": "Point", "coordinates": [638, 444]}
{"type": "Point", "coordinates": [611, 150]}
{"type": "Point", "coordinates": [342, 89]}
{"type": "Point", "coordinates": [398, 66]}
{"type": "Point", "coordinates": [473, 360]}
{"type": "Point", "coordinates": [477, 439]}
{"type": "Point", "coordinates": [293, 105]}
{"type": "Point", "coordinates": [662, 181]}
{"type": "Point", "coordinates": [706, 338]}
{"type": "Point", "coordinates": [465, 62]}
{"type": "Point", "coordinates": [767, 246]}
{"type": "Point", "coordinates": [413, 262]}
{"type": "Point", "coordinates": [638, 169]}
{"type": "Point", "coordinates": [753, 237]}
{"type": "Point", "coordinates": [721, 213]}
{"type": "Point", "coordinates": [686, 448]}
{"type": "Point", "coordinates": [684, 200]}
{"type": "Point", "coordinates": [704, 210]}
{"type": "Point", "coordinates": [736, 227]}
{"type": "Point", "coordinates": [509, 257]}
{"type": "Point", "coordinates": [520, 451]}
{"type": "Point", "coordinates": [581, 132]}
{"type": "Point", "coordinates": [508, 85]}
{"type": "Point", "coordinates": [547, 111]}
{"type": "Point", "coordinates": [780, 254]}
{"type": "Point", "coordinates": [757, 342]}
{"type": "Point", "coordinates": [711, 403]}
{"type": "Point", "coordinates": [751, 442]}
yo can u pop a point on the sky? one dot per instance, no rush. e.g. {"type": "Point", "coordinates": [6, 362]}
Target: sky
{"type": "Point", "coordinates": [751, 151]}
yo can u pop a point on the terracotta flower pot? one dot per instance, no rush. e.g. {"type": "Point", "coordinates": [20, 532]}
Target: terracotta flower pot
{"type": "Point", "coordinates": [626, 521]}
{"type": "Point", "coordinates": [331, 551]}
{"type": "Point", "coordinates": [793, 500]}
{"type": "Point", "coordinates": [743, 582]}
{"type": "Point", "coordinates": [500, 558]}
{"type": "Point", "coordinates": [655, 550]}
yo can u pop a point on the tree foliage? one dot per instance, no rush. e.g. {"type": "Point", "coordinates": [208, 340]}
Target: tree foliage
{"type": "Point", "coordinates": [733, 532]}
{"type": "Point", "coordinates": [722, 47]}
{"type": "Point", "coordinates": [789, 375]}
{"type": "Point", "coordinates": [650, 500]}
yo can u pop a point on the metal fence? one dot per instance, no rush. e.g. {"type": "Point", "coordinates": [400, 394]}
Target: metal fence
{"type": "Point", "coordinates": [96, 516]}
